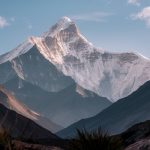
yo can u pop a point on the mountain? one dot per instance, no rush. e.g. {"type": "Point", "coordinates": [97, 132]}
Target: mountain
{"type": "Point", "coordinates": [33, 68]}
{"type": "Point", "coordinates": [18, 126]}
{"type": "Point", "coordinates": [119, 116]}
{"type": "Point", "coordinates": [137, 137]}
{"type": "Point", "coordinates": [38, 83]}
{"type": "Point", "coordinates": [65, 107]}
{"type": "Point", "coordinates": [9, 101]}
{"type": "Point", "coordinates": [61, 67]}
{"type": "Point", "coordinates": [62, 55]}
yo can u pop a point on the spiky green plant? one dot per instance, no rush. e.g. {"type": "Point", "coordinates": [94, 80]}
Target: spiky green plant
{"type": "Point", "coordinates": [97, 140]}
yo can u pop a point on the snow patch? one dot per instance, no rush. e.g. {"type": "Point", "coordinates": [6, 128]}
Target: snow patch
{"type": "Point", "coordinates": [21, 49]}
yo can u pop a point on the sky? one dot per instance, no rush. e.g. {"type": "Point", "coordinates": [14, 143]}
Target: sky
{"type": "Point", "coordinates": [114, 25]}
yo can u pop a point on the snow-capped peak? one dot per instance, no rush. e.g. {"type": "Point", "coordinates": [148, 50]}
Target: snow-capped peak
{"type": "Point", "coordinates": [65, 20]}
{"type": "Point", "coordinates": [23, 48]}
{"type": "Point", "coordinates": [19, 50]}
{"type": "Point", "coordinates": [62, 24]}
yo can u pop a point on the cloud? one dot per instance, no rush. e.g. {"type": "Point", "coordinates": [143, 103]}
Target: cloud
{"type": "Point", "coordinates": [134, 2]}
{"type": "Point", "coordinates": [143, 15]}
{"type": "Point", "coordinates": [93, 17]}
{"type": "Point", "coordinates": [3, 22]}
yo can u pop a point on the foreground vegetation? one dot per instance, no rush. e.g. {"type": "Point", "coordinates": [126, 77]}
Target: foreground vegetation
{"type": "Point", "coordinates": [5, 140]}
{"type": "Point", "coordinates": [97, 140]}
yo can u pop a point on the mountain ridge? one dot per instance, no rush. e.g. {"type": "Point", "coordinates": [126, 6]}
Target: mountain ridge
{"type": "Point", "coordinates": [9, 101]}
{"type": "Point", "coordinates": [64, 107]}
{"type": "Point", "coordinates": [12, 123]}
{"type": "Point", "coordinates": [119, 116]}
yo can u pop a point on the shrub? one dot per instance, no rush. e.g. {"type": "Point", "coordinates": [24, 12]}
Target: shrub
{"type": "Point", "coordinates": [97, 140]}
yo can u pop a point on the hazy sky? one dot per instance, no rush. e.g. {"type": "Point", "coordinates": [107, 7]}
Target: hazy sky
{"type": "Point", "coordinates": [115, 25]}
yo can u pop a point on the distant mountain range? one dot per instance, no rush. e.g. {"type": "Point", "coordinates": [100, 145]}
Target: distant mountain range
{"type": "Point", "coordinates": [119, 116]}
